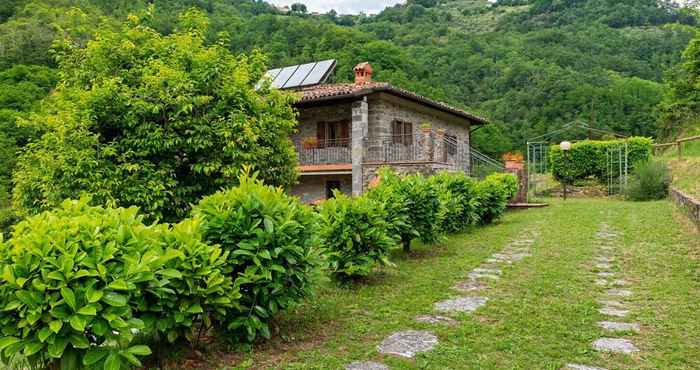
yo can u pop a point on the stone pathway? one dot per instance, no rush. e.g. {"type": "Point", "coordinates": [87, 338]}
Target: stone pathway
{"type": "Point", "coordinates": [611, 302]}
{"type": "Point", "coordinates": [410, 342]}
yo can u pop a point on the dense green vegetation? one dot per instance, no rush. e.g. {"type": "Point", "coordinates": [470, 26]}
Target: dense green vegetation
{"type": "Point", "coordinates": [541, 314]}
{"type": "Point", "coordinates": [589, 158]}
{"type": "Point", "coordinates": [153, 121]}
{"type": "Point", "coordinates": [88, 287]}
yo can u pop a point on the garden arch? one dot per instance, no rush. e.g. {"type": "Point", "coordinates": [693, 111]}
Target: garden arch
{"type": "Point", "coordinates": [538, 163]}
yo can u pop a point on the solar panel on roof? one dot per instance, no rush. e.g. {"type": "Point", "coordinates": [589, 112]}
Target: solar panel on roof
{"type": "Point", "coordinates": [319, 73]}
{"type": "Point", "coordinates": [283, 76]}
{"type": "Point", "coordinates": [299, 75]}
{"type": "Point", "coordinates": [273, 73]}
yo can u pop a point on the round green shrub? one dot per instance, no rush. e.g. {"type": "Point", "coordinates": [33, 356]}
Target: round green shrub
{"type": "Point", "coordinates": [415, 202]}
{"type": "Point", "coordinates": [493, 194]}
{"type": "Point", "coordinates": [395, 204]}
{"type": "Point", "coordinates": [457, 194]}
{"type": "Point", "coordinates": [649, 181]}
{"type": "Point", "coordinates": [356, 234]}
{"type": "Point", "coordinates": [273, 249]}
{"type": "Point", "coordinates": [79, 285]}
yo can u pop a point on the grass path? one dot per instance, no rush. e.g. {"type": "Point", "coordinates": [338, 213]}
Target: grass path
{"type": "Point", "coordinates": [541, 314]}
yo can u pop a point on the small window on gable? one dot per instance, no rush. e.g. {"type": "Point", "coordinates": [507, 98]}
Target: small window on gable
{"type": "Point", "coordinates": [402, 132]}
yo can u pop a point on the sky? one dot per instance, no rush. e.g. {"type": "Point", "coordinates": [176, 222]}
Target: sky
{"type": "Point", "coordinates": [342, 6]}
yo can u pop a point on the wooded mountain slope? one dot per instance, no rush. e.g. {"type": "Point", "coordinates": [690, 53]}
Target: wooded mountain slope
{"type": "Point", "coordinates": [529, 66]}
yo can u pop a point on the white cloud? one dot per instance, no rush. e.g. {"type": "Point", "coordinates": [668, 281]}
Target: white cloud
{"type": "Point", "coordinates": [342, 6]}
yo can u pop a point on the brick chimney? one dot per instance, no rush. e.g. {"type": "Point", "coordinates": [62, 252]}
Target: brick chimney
{"type": "Point", "coordinates": [363, 73]}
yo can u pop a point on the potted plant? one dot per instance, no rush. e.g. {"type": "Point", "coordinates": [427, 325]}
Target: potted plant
{"type": "Point", "coordinates": [513, 160]}
{"type": "Point", "coordinates": [309, 142]}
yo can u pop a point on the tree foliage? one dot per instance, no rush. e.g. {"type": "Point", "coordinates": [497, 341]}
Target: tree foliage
{"type": "Point", "coordinates": [156, 121]}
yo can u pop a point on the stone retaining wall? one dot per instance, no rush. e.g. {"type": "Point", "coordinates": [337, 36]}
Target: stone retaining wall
{"type": "Point", "coordinates": [688, 204]}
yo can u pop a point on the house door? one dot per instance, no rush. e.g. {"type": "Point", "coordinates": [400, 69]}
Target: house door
{"type": "Point", "coordinates": [330, 186]}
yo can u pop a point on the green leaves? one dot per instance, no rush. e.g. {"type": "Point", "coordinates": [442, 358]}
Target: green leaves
{"type": "Point", "coordinates": [269, 245]}
{"type": "Point", "coordinates": [114, 299]}
{"type": "Point", "coordinates": [588, 158]}
{"type": "Point", "coordinates": [356, 233]}
{"type": "Point", "coordinates": [183, 117]}
{"type": "Point", "coordinates": [69, 297]}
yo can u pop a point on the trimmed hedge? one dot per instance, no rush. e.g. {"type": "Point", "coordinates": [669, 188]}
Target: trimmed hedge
{"type": "Point", "coordinates": [493, 194]}
{"type": "Point", "coordinates": [81, 286]}
{"type": "Point", "coordinates": [459, 200]}
{"type": "Point", "coordinates": [273, 247]}
{"type": "Point", "coordinates": [414, 200]}
{"type": "Point", "coordinates": [356, 235]}
{"type": "Point", "coordinates": [588, 158]}
{"type": "Point", "coordinates": [85, 287]}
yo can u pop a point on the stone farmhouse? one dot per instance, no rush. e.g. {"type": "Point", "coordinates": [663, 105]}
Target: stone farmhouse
{"type": "Point", "coordinates": [349, 130]}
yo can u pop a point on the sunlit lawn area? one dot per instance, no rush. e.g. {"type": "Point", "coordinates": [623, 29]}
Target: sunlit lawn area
{"type": "Point", "coordinates": [541, 314]}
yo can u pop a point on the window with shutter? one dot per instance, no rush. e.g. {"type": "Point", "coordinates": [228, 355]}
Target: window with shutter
{"type": "Point", "coordinates": [333, 134]}
{"type": "Point", "coordinates": [402, 132]}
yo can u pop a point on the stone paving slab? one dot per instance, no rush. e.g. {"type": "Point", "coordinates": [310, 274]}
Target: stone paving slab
{"type": "Point", "coordinates": [476, 275]}
{"type": "Point", "coordinates": [523, 242]}
{"type": "Point", "coordinates": [366, 365]}
{"type": "Point", "coordinates": [618, 293]}
{"type": "Point", "coordinates": [618, 326]}
{"type": "Point", "coordinates": [436, 319]}
{"type": "Point", "coordinates": [617, 345]}
{"type": "Point", "coordinates": [469, 286]}
{"type": "Point", "coordinates": [604, 259]}
{"type": "Point", "coordinates": [619, 282]}
{"type": "Point", "coordinates": [617, 304]}
{"type": "Point", "coordinates": [462, 304]}
{"type": "Point", "coordinates": [582, 367]}
{"type": "Point", "coordinates": [610, 311]}
{"type": "Point", "coordinates": [408, 343]}
{"type": "Point", "coordinates": [605, 274]}
{"type": "Point", "coordinates": [601, 282]}
{"type": "Point", "coordinates": [482, 270]}
{"type": "Point", "coordinates": [603, 266]}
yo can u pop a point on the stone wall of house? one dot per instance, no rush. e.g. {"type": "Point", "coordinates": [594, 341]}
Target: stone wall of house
{"type": "Point", "coordinates": [384, 109]}
{"type": "Point", "coordinates": [310, 116]}
{"type": "Point", "coordinates": [369, 171]}
{"type": "Point", "coordinates": [313, 187]}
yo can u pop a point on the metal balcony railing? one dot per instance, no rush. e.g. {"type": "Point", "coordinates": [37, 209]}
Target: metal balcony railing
{"type": "Point", "coordinates": [330, 151]}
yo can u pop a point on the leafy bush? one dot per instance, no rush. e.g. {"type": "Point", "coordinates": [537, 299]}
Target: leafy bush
{"type": "Point", "coordinates": [356, 234]}
{"type": "Point", "coordinates": [493, 194]}
{"type": "Point", "coordinates": [423, 207]}
{"type": "Point", "coordinates": [199, 292]}
{"type": "Point", "coordinates": [457, 194]}
{"type": "Point", "coordinates": [649, 181]}
{"type": "Point", "coordinates": [156, 121]}
{"type": "Point", "coordinates": [396, 205]}
{"type": "Point", "coordinates": [80, 283]}
{"type": "Point", "coordinates": [272, 241]}
{"type": "Point", "coordinates": [589, 157]}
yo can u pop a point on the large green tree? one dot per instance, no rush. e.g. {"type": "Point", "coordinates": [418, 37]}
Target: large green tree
{"type": "Point", "coordinates": [681, 105]}
{"type": "Point", "coordinates": [155, 121]}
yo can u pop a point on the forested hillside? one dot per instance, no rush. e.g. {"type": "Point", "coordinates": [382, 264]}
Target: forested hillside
{"type": "Point", "coordinates": [529, 66]}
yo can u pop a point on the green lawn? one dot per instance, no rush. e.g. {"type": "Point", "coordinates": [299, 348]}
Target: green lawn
{"type": "Point", "coordinates": [542, 313]}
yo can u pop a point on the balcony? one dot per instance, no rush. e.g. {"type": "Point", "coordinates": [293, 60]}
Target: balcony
{"type": "Point", "coordinates": [314, 152]}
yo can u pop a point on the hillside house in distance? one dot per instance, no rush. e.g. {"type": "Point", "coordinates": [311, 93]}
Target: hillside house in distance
{"type": "Point", "coordinates": [348, 130]}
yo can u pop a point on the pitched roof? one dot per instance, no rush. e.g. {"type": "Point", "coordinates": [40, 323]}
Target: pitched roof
{"type": "Point", "coordinates": [325, 92]}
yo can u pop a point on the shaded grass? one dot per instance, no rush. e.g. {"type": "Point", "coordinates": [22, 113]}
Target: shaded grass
{"type": "Point", "coordinates": [541, 314]}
